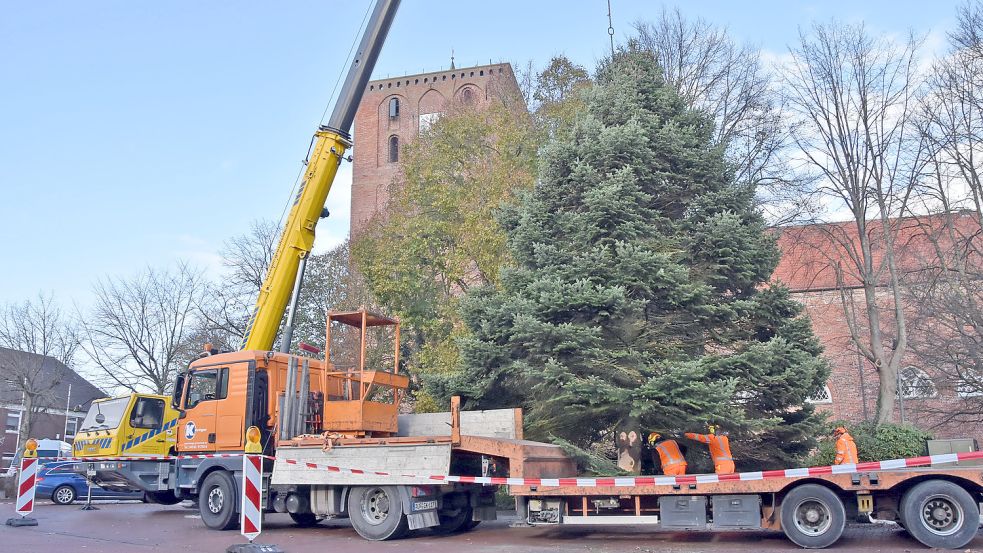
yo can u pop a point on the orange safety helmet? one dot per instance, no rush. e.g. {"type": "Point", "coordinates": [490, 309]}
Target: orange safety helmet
{"type": "Point", "coordinates": [839, 430]}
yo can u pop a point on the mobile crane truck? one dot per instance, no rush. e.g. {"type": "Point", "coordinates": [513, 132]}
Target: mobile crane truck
{"type": "Point", "coordinates": [313, 414]}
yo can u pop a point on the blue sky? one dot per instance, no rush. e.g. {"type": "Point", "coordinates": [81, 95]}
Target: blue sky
{"type": "Point", "coordinates": [134, 134]}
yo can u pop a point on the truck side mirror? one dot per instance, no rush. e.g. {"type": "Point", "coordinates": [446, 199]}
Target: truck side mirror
{"type": "Point", "coordinates": [178, 390]}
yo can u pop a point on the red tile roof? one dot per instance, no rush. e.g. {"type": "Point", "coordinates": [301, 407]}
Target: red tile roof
{"type": "Point", "coordinates": [811, 253]}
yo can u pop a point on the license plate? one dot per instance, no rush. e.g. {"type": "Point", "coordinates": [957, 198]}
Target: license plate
{"type": "Point", "coordinates": [424, 505]}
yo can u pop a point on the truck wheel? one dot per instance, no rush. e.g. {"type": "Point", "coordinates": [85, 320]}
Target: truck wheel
{"type": "Point", "coordinates": [63, 495]}
{"type": "Point", "coordinates": [812, 516]}
{"type": "Point", "coordinates": [305, 520]}
{"type": "Point", "coordinates": [162, 498]}
{"type": "Point", "coordinates": [455, 521]}
{"type": "Point", "coordinates": [470, 525]}
{"type": "Point", "coordinates": [217, 501]}
{"type": "Point", "coordinates": [940, 514]}
{"type": "Point", "coordinates": [377, 512]}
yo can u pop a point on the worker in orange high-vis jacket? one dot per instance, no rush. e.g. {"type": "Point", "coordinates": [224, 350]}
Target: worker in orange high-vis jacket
{"type": "Point", "coordinates": [723, 461]}
{"type": "Point", "coordinates": [672, 459]}
{"type": "Point", "coordinates": [846, 449]}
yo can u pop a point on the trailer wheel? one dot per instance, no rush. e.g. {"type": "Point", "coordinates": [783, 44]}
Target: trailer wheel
{"type": "Point", "coordinates": [456, 522]}
{"type": "Point", "coordinates": [812, 516]}
{"type": "Point", "coordinates": [217, 501]}
{"type": "Point", "coordinates": [376, 512]}
{"type": "Point", "coordinates": [940, 514]}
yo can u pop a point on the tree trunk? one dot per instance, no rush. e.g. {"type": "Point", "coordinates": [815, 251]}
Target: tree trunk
{"type": "Point", "coordinates": [26, 425]}
{"type": "Point", "coordinates": [887, 393]}
{"type": "Point", "coordinates": [628, 438]}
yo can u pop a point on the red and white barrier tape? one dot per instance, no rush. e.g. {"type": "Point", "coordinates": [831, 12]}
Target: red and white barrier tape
{"type": "Point", "coordinates": [67, 460]}
{"type": "Point", "coordinates": [627, 481]}
{"type": "Point", "coordinates": [872, 466]}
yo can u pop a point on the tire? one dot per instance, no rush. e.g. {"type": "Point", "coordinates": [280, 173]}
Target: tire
{"type": "Point", "coordinates": [64, 495]}
{"type": "Point", "coordinates": [940, 514]}
{"type": "Point", "coordinates": [305, 520]}
{"type": "Point", "coordinates": [454, 521]}
{"type": "Point", "coordinates": [162, 498]}
{"type": "Point", "coordinates": [217, 501]}
{"type": "Point", "coordinates": [376, 512]}
{"type": "Point", "coordinates": [813, 517]}
{"type": "Point", "coordinates": [470, 525]}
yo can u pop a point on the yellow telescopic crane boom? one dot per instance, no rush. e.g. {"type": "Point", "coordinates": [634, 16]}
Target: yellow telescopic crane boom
{"type": "Point", "coordinates": [286, 273]}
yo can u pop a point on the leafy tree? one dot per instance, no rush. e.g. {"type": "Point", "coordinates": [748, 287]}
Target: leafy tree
{"type": "Point", "coordinates": [638, 296]}
{"type": "Point", "coordinates": [439, 237]}
{"type": "Point", "coordinates": [556, 96]}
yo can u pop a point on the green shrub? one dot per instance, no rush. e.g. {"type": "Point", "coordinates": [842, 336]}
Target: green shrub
{"type": "Point", "coordinates": [874, 442]}
{"type": "Point", "coordinates": [504, 501]}
{"type": "Point", "coordinates": [425, 403]}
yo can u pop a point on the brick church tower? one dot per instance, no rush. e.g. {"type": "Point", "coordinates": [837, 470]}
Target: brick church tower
{"type": "Point", "coordinates": [395, 111]}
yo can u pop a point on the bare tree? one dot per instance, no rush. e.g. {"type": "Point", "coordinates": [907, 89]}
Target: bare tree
{"type": "Point", "coordinates": [31, 376]}
{"type": "Point", "coordinates": [39, 326]}
{"type": "Point", "coordinates": [226, 305]}
{"type": "Point", "coordinates": [331, 284]}
{"type": "Point", "coordinates": [727, 80]}
{"type": "Point", "coordinates": [137, 332]}
{"type": "Point", "coordinates": [946, 299]}
{"type": "Point", "coordinates": [947, 291]}
{"type": "Point", "coordinates": [33, 336]}
{"type": "Point", "coordinates": [854, 95]}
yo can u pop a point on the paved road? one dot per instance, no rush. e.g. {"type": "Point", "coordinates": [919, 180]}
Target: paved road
{"type": "Point", "coordinates": [136, 527]}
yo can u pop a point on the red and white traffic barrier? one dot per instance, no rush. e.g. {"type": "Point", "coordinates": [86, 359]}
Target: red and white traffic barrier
{"type": "Point", "coordinates": [251, 517]}
{"type": "Point", "coordinates": [26, 485]}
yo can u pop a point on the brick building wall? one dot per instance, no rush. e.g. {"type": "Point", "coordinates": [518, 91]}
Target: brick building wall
{"type": "Point", "coordinates": [806, 268]}
{"type": "Point", "coordinates": [421, 99]}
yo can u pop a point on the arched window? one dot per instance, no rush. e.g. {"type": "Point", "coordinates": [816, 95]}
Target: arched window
{"type": "Point", "coordinates": [467, 96]}
{"type": "Point", "coordinates": [822, 397]}
{"type": "Point", "coordinates": [969, 383]}
{"type": "Point", "coordinates": [393, 149]}
{"type": "Point", "coordinates": [393, 108]}
{"type": "Point", "coordinates": [915, 384]}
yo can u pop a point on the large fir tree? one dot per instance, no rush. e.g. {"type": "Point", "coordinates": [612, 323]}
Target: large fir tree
{"type": "Point", "coordinates": [640, 295]}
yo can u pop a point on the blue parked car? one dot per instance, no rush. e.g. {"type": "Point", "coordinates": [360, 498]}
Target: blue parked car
{"type": "Point", "coordinates": [59, 482]}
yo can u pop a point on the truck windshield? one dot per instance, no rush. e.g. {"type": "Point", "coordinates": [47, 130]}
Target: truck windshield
{"type": "Point", "coordinates": [113, 411]}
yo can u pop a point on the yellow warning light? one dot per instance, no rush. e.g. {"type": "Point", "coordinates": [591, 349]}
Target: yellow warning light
{"type": "Point", "coordinates": [31, 448]}
{"type": "Point", "coordinates": [252, 440]}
